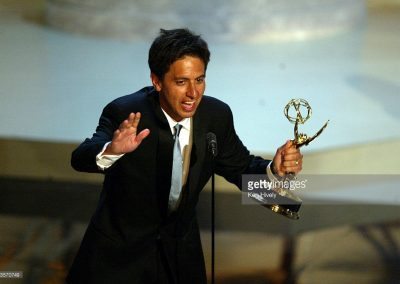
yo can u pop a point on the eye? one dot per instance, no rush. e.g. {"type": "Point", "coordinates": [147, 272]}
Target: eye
{"type": "Point", "coordinates": [200, 80]}
{"type": "Point", "coordinates": [180, 82]}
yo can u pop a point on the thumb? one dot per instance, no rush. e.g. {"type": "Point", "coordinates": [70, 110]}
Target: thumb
{"type": "Point", "coordinates": [142, 135]}
{"type": "Point", "coordinates": [285, 146]}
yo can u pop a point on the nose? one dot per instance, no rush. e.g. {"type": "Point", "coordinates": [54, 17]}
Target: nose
{"type": "Point", "coordinates": [192, 91]}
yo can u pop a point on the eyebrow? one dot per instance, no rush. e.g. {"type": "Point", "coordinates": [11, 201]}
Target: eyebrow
{"type": "Point", "coordinates": [185, 78]}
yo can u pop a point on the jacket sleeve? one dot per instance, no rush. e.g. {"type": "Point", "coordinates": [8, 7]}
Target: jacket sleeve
{"type": "Point", "coordinates": [84, 156]}
{"type": "Point", "coordinates": [234, 160]}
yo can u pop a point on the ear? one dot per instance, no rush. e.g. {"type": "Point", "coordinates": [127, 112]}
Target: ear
{"type": "Point", "coordinates": [156, 82]}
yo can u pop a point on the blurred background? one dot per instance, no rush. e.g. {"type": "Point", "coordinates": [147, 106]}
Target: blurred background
{"type": "Point", "coordinates": [62, 61]}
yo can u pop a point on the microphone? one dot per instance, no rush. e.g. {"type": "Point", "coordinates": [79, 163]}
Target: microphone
{"type": "Point", "coordinates": [212, 144]}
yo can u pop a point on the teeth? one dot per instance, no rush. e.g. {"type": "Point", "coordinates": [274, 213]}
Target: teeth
{"type": "Point", "coordinates": [189, 103]}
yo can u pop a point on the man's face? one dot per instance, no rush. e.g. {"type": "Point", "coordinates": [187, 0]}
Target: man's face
{"type": "Point", "coordinates": [182, 87]}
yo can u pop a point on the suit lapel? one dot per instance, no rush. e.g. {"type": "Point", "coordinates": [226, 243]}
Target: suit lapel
{"type": "Point", "coordinates": [198, 151]}
{"type": "Point", "coordinates": [186, 155]}
{"type": "Point", "coordinates": [164, 153]}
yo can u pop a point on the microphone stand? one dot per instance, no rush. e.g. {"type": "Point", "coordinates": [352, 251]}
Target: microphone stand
{"type": "Point", "coordinates": [212, 148]}
{"type": "Point", "coordinates": [213, 228]}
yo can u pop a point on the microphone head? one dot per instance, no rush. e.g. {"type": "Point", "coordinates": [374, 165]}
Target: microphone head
{"type": "Point", "coordinates": [211, 138]}
{"type": "Point", "coordinates": [212, 143]}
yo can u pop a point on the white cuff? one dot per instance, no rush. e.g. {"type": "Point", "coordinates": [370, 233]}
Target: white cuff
{"type": "Point", "coordinates": [106, 161]}
{"type": "Point", "coordinates": [270, 175]}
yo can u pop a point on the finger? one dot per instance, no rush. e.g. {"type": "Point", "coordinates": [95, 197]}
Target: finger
{"type": "Point", "coordinates": [293, 170]}
{"type": "Point", "coordinates": [136, 120]}
{"type": "Point", "coordinates": [292, 163]}
{"type": "Point", "coordinates": [124, 125]}
{"type": "Point", "coordinates": [291, 152]}
{"type": "Point", "coordinates": [292, 157]}
{"type": "Point", "coordinates": [292, 149]}
{"type": "Point", "coordinates": [116, 133]}
{"type": "Point", "coordinates": [131, 118]}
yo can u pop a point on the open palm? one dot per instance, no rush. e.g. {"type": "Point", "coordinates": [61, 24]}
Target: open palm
{"type": "Point", "coordinates": [125, 138]}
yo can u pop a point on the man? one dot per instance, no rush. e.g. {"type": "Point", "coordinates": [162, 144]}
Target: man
{"type": "Point", "coordinates": [144, 231]}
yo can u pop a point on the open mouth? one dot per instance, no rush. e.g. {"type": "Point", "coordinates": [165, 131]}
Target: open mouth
{"type": "Point", "coordinates": [188, 106]}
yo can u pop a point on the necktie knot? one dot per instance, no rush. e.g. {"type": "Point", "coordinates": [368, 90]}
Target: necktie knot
{"type": "Point", "coordinates": [177, 128]}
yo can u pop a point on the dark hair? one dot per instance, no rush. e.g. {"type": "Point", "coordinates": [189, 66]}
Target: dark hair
{"type": "Point", "coordinates": [172, 45]}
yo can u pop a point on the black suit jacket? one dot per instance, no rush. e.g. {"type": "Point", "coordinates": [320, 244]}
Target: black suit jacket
{"type": "Point", "coordinates": [131, 238]}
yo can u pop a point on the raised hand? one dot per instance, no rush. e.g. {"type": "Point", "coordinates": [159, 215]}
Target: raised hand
{"type": "Point", "coordinates": [125, 138]}
{"type": "Point", "coordinates": [288, 159]}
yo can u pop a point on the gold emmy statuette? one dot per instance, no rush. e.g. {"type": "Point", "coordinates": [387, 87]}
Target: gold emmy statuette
{"type": "Point", "coordinates": [301, 139]}
{"type": "Point", "coordinates": [287, 203]}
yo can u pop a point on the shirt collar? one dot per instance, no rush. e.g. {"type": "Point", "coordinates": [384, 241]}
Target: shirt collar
{"type": "Point", "coordinates": [184, 122]}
